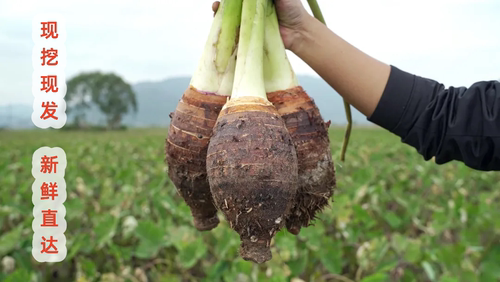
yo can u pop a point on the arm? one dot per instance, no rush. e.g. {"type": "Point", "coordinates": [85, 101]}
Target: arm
{"type": "Point", "coordinates": [449, 124]}
{"type": "Point", "coordinates": [359, 78]}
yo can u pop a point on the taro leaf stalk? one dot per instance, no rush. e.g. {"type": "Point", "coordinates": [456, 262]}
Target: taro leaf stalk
{"type": "Point", "coordinates": [308, 131]}
{"type": "Point", "coordinates": [251, 161]}
{"type": "Point", "coordinates": [193, 120]}
{"type": "Point", "coordinates": [313, 4]}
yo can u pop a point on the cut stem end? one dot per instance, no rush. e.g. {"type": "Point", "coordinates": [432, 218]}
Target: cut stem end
{"type": "Point", "coordinates": [258, 252]}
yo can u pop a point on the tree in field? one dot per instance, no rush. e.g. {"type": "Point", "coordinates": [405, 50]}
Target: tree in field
{"type": "Point", "coordinates": [113, 96]}
{"type": "Point", "coordinates": [79, 96]}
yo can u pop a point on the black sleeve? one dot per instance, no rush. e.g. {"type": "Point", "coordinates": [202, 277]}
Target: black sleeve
{"type": "Point", "coordinates": [454, 123]}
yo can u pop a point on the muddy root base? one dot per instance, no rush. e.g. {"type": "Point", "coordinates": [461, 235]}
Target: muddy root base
{"type": "Point", "coordinates": [195, 191]}
{"type": "Point", "coordinates": [316, 188]}
{"type": "Point", "coordinates": [307, 208]}
{"type": "Point", "coordinates": [258, 252]}
{"type": "Point", "coordinates": [204, 223]}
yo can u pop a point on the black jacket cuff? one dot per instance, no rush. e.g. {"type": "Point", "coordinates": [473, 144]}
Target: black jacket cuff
{"type": "Point", "coordinates": [394, 100]}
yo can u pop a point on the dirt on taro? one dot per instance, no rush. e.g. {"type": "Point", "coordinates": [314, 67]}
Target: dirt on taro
{"type": "Point", "coordinates": [395, 217]}
{"type": "Point", "coordinates": [316, 171]}
{"type": "Point", "coordinates": [252, 170]}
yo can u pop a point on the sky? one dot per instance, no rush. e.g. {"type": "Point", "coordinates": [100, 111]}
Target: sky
{"type": "Point", "coordinates": [456, 42]}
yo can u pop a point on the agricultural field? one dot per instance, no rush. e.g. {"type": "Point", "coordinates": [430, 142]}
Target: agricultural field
{"type": "Point", "coordinates": [395, 217]}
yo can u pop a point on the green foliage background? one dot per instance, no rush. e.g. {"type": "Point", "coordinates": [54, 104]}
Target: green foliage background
{"type": "Point", "coordinates": [395, 217]}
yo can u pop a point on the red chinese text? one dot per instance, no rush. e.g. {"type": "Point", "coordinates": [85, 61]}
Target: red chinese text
{"type": "Point", "coordinates": [50, 110]}
{"type": "Point", "coordinates": [48, 164]}
{"type": "Point", "coordinates": [49, 83]}
{"type": "Point", "coordinates": [47, 249]}
{"type": "Point", "coordinates": [49, 190]}
{"type": "Point", "coordinates": [50, 54]}
{"type": "Point", "coordinates": [49, 30]}
{"type": "Point", "coordinates": [49, 218]}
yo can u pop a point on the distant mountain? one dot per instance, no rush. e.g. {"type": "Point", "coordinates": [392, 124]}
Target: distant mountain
{"type": "Point", "coordinates": [156, 100]}
{"type": "Point", "coordinates": [16, 116]}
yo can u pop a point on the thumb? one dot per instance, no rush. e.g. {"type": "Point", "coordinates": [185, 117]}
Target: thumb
{"type": "Point", "coordinates": [215, 7]}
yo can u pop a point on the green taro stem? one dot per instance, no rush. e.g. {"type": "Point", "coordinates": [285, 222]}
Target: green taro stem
{"type": "Point", "coordinates": [249, 73]}
{"type": "Point", "coordinates": [215, 70]}
{"type": "Point", "coordinates": [313, 4]}
{"type": "Point", "coordinates": [231, 19]}
{"type": "Point", "coordinates": [278, 72]}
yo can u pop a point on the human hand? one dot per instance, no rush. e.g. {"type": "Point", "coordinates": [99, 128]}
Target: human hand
{"type": "Point", "coordinates": [292, 17]}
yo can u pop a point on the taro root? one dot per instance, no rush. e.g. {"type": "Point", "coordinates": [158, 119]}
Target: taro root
{"type": "Point", "coordinates": [308, 131]}
{"type": "Point", "coordinates": [251, 160]}
{"type": "Point", "coordinates": [316, 169]}
{"type": "Point", "coordinates": [195, 116]}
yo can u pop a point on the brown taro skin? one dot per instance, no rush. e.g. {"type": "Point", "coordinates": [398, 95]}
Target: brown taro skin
{"type": "Point", "coordinates": [316, 169]}
{"type": "Point", "coordinates": [252, 170]}
{"type": "Point", "coordinates": [186, 151]}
